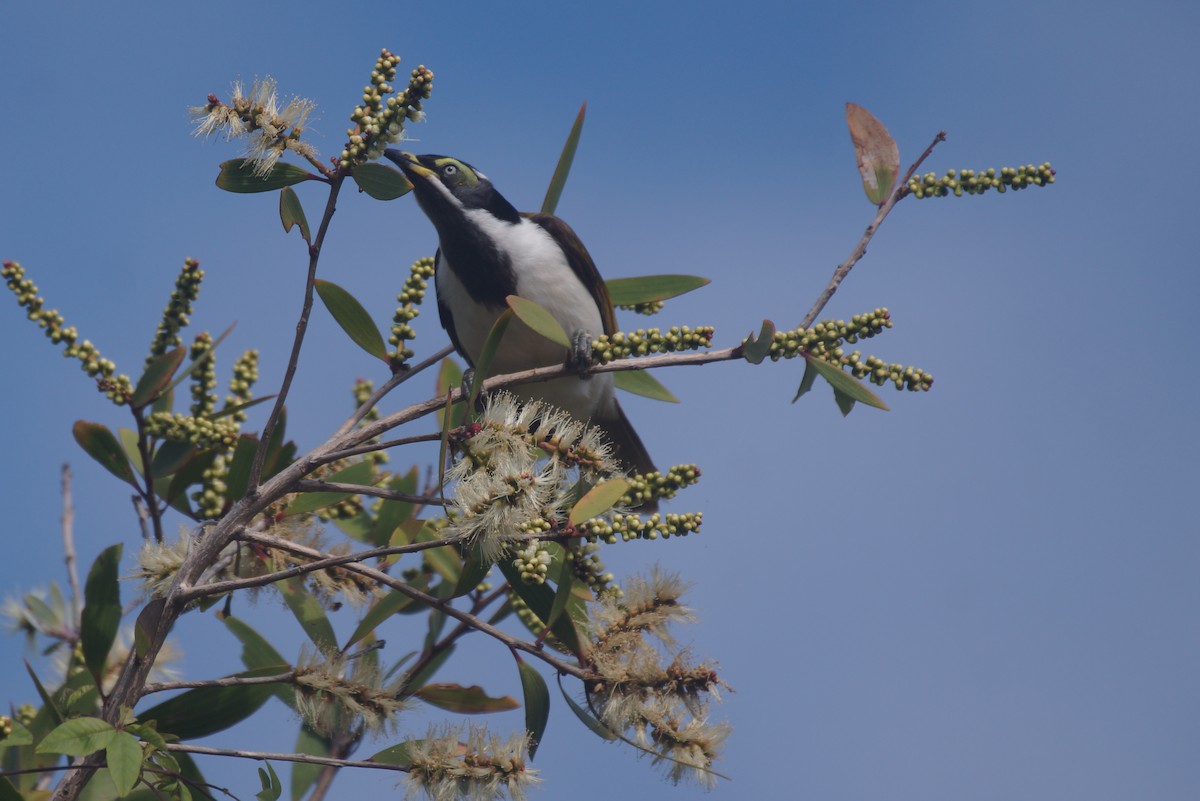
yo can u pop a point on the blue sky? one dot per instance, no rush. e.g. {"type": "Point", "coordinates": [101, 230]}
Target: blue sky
{"type": "Point", "coordinates": [989, 592]}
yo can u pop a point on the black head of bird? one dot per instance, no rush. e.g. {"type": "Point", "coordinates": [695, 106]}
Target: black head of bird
{"type": "Point", "coordinates": [488, 251]}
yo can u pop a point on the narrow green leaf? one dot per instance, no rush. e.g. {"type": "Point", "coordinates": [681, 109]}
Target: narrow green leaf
{"type": "Point", "coordinates": [444, 559]}
{"type": "Point", "coordinates": [651, 288]}
{"type": "Point", "coordinates": [640, 382]}
{"type": "Point", "coordinates": [9, 791]}
{"type": "Point", "coordinates": [598, 500]}
{"type": "Point", "coordinates": [305, 773]}
{"type": "Point", "coordinates": [157, 376]}
{"type": "Point", "coordinates": [755, 349]}
{"type": "Point", "coordinates": [353, 318]}
{"type": "Point", "coordinates": [47, 700]}
{"type": "Point", "coordinates": [474, 570]}
{"type": "Point", "coordinates": [237, 175]}
{"type": "Point", "coordinates": [598, 728]}
{"type": "Point", "coordinates": [239, 407]}
{"type": "Point", "coordinates": [204, 357]}
{"type": "Point", "coordinates": [291, 213]}
{"type": "Point", "coordinates": [77, 737]}
{"type": "Point", "coordinates": [100, 444]}
{"type": "Point", "coordinates": [384, 608]}
{"type": "Point", "coordinates": [471, 700]}
{"type": "Point", "coordinates": [271, 788]}
{"type": "Point", "coordinates": [238, 477]}
{"type": "Point", "coordinates": [309, 613]}
{"type": "Point", "coordinates": [487, 353]}
{"type": "Point", "coordinates": [563, 168]}
{"type": "Point", "coordinates": [397, 754]}
{"type": "Point", "coordinates": [101, 610]}
{"type": "Point", "coordinates": [564, 580]}
{"type": "Point", "coordinates": [844, 402]}
{"type": "Point", "coordinates": [807, 381]}
{"type": "Point", "coordinates": [146, 625]}
{"type": "Point", "coordinates": [124, 758]}
{"type": "Point", "coordinates": [540, 600]}
{"type": "Point", "coordinates": [258, 653]}
{"type": "Point", "coordinates": [170, 457]}
{"type": "Point", "coordinates": [381, 181]}
{"type": "Point", "coordinates": [392, 512]}
{"type": "Point", "coordinates": [208, 710]}
{"type": "Point", "coordinates": [537, 704]}
{"type": "Point", "coordinates": [538, 319]}
{"type": "Point", "coordinates": [358, 473]}
{"type": "Point", "coordinates": [450, 377]}
{"type": "Point", "coordinates": [845, 383]}
{"type": "Point", "coordinates": [191, 473]}
{"type": "Point", "coordinates": [129, 443]}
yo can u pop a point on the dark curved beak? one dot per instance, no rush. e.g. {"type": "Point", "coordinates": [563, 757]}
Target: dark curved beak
{"type": "Point", "coordinates": [408, 163]}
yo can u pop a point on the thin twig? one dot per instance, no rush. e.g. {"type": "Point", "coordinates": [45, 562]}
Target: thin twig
{"type": "Point", "coordinates": [383, 446]}
{"type": "Point", "coordinates": [860, 250]}
{"type": "Point", "coordinates": [310, 485]}
{"type": "Point", "coordinates": [261, 755]}
{"type": "Point", "coordinates": [148, 494]}
{"type": "Point", "coordinates": [396, 380]}
{"type": "Point", "coordinates": [314, 255]}
{"type": "Point", "coordinates": [228, 681]}
{"type": "Point", "coordinates": [68, 535]}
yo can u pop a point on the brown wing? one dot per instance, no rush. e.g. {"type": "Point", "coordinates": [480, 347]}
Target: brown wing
{"type": "Point", "coordinates": [581, 264]}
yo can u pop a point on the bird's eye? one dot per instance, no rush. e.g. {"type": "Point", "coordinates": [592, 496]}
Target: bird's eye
{"type": "Point", "coordinates": [449, 170]}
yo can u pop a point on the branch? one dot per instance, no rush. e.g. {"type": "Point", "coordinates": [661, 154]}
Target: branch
{"type": "Point", "coordinates": [396, 380]}
{"type": "Point", "coordinates": [261, 755]}
{"type": "Point", "coordinates": [860, 250]}
{"type": "Point", "coordinates": [228, 681]}
{"type": "Point", "coordinates": [309, 485]}
{"type": "Point", "coordinates": [68, 535]}
{"type": "Point", "coordinates": [383, 446]}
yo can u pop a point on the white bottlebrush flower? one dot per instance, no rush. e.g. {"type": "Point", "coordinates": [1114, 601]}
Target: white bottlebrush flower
{"type": "Point", "coordinates": [159, 562]}
{"type": "Point", "coordinates": [483, 768]}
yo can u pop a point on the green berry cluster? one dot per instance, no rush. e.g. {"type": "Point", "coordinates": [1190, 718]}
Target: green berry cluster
{"type": "Point", "coordinates": [657, 486]}
{"type": "Point", "coordinates": [118, 388]}
{"type": "Point", "coordinates": [379, 122]}
{"type": "Point", "coordinates": [533, 563]}
{"type": "Point", "coordinates": [826, 337]}
{"type": "Point", "coordinates": [633, 527]}
{"type": "Point", "coordinates": [204, 377]}
{"type": "Point", "coordinates": [880, 372]}
{"type": "Point", "coordinates": [970, 182]}
{"type": "Point", "coordinates": [648, 308]}
{"type": "Point", "coordinates": [643, 342]}
{"type": "Point", "coordinates": [241, 385]}
{"type": "Point", "coordinates": [587, 567]}
{"type": "Point", "coordinates": [410, 298]}
{"type": "Point", "coordinates": [179, 307]}
{"type": "Point", "coordinates": [200, 431]}
{"type": "Point", "coordinates": [210, 497]}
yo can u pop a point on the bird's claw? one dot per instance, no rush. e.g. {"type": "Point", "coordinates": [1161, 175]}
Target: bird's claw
{"type": "Point", "coordinates": [581, 353]}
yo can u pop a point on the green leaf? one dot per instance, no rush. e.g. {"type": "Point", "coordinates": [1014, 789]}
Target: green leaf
{"type": "Point", "coordinates": [444, 559]}
{"type": "Point", "coordinates": [157, 376]}
{"type": "Point", "coordinates": [124, 758]}
{"type": "Point", "coordinates": [392, 512]}
{"type": "Point", "coordinates": [146, 625]}
{"type": "Point", "coordinates": [238, 477]}
{"type": "Point", "coordinates": [258, 653]}
{"type": "Point", "coordinates": [381, 181]}
{"type": "Point", "coordinates": [353, 318]}
{"type": "Point", "coordinates": [755, 349]}
{"type": "Point", "coordinates": [358, 473]}
{"type": "Point", "coordinates": [844, 402]}
{"type": "Point", "coordinates": [845, 383]}
{"type": "Point", "coordinates": [807, 381]}
{"type": "Point", "coordinates": [100, 444]}
{"type": "Point", "coordinates": [47, 700]}
{"type": "Point", "coordinates": [563, 168]}
{"type": "Point", "coordinates": [540, 600]}
{"type": "Point", "coordinates": [239, 407]}
{"type": "Point", "coordinates": [397, 754]}
{"type": "Point", "coordinates": [170, 457]}
{"type": "Point", "coordinates": [384, 608]}
{"type": "Point", "coordinates": [875, 152]}
{"type": "Point", "coordinates": [464, 700]}
{"type": "Point", "coordinates": [651, 288]}
{"type": "Point", "coordinates": [309, 613]}
{"type": "Point", "coordinates": [487, 353]}
{"type": "Point", "coordinates": [474, 570]}
{"type": "Point", "coordinates": [9, 791]}
{"type": "Point", "coordinates": [129, 443]}
{"type": "Point", "coordinates": [588, 719]}
{"type": "Point", "coordinates": [598, 500]}
{"type": "Point", "coordinates": [271, 788]}
{"type": "Point", "coordinates": [291, 213]}
{"type": "Point", "coordinates": [204, 357]}
{"type": "Point", "coordinates": [563, 582]}
{"type": "Point", "coordinates": [305, 773]}
{"type": "Point", "coordinates": [538, 319]}
{"type": "Point", "coordinates": [101, 611]}
{"type": "Point", "coordinates": [450, 377]}
{"type": "Point", "coordinates": [640, 382]}
{"type": "Point", "coordinates": [77, 737]}
{"type": "Point", "coordinates": [18, 736]}
{"type": "Point", "coordinates": [208, 710]}
{"type": "Point", "coordinates": [426, 672]}
{"type": "Point", "coordinates": [537, 704]}
{"type": "Point", "coordinates": [237, 175]}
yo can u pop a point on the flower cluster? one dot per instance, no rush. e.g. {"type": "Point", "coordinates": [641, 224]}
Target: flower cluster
{"type": "Point", "coordinates": [518, 466]}
{"type": "Point", "coordinates": [633, 527]}
{"type": "Point", "coordinates": [647, 308]}
{"type": "Point", "coordinates": [410, 298]}
{"type": "Point", "coordinates": [659, 486]}
{"type": "Point", "coordinates": [379, 123]}
{"type": "Point", "coordinates": [645, 341]}
{"type": "Point", "coordinates": [200, 431]}
{"type": "Point", "coordinates": [339, 694]}
{"type": "Point", "coordinates": [256, 114]}
{"type": "Point", "coordinates": [662, 706]}
{"type": "Point", "coordinates": [118, 388]}
{"type": "Point", "coordinates": [179, 307]}
{"type": "Point", "coordinates": [970, 182]}
{"type": "Point", "coordinates": [241, 384]}
{"type": "Point", "coordinates": [158, 562]}
{"type": "Point", "coordinates": [204, 377]}
{"type": "Point", "coordinates": [484, 767]}
{"type": "Point", "coordinates": [879, 372]}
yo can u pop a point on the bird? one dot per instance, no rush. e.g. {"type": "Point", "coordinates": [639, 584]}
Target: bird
{"type": "Point", "coordinates": [488, 251]}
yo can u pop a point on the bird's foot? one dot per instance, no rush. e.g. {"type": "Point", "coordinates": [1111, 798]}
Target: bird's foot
{"type": "Point", "coordinates": [581, 353]}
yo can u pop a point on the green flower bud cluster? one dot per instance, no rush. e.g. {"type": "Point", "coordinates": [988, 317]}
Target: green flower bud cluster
{"type": "Point", "coordinates": [380, 122]}
{"type": "Point", "coordinates": [643, 342]}
{"type": "Point", "coordinates": [201, 431]}
{"type": "Point", "coordinates": [410, 298]}
{"type": "Point", "coordinates": [118, 389]}
{"type": "Point", "coordinates": [533, 563]}
{"type": "Point", "coordinates": [26, 713]}
{"type": "Point", "coordinates": [880, 372]}
{"type": "Point", "coordinates": [175, 316]}
{"type": "Point", "coordinates": [650, 486]}
{"type": "Point", "coordinates": [633, 527]}
{"type": "Point", "coordinates": [6, 727]}
{"type": "Point", "coordinates": [245, 373]}
{"type": "Point", "coordinates": [204, 377]}
{"type": "Point", "coordinates": [826, 337]}
{"type": "Point", "coordinates": [587, 567]}
{"type": "Point", "coordinates": [210, 498]}
{"type": "Point", "coordinates": [647, 308]}
{"type": "Point", "coordinates": [970, 182]}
